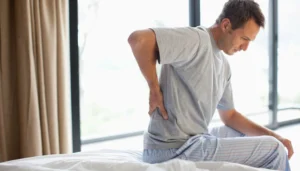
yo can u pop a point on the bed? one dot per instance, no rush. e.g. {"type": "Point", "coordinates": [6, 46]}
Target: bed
{"type": "Point", "coordinates": [113, 160]}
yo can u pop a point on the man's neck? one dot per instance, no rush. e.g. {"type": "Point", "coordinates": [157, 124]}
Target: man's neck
{"type": "Point", "coordinates": [216, 33]}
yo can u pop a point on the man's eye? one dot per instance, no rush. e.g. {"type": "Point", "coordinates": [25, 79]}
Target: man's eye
{"type": "Point", "coordinates": [246, 39]}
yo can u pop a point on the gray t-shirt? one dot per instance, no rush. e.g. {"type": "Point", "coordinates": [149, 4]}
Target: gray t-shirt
{"type": "Point", "coordinates": [195, 80]}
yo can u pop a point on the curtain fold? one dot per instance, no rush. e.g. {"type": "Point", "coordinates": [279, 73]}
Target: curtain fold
{"type": "Point", "coordinates": [33, 101]}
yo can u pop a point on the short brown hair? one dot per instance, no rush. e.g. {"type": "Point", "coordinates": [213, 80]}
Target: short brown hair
{"type": "Point", "coordinates": [240, 11]}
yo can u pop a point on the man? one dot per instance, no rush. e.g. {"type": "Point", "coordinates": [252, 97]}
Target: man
{"type": "Point", "coordinates": [194, 81]}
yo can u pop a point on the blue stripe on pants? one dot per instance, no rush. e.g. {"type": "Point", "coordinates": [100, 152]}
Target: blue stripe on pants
{"type": "Point", "coordinates": [226, 144]}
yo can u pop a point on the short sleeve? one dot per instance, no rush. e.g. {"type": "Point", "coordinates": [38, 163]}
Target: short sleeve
{"type": "Point", "coordinates": [177, 45]}
{"type": "Point", "coordinates": [226, 102]}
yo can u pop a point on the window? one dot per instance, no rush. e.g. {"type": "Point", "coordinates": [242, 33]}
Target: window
{"type": "Point", "coordinates": [250, 71]}
{"type": "Point", "coordinates": [114, 94]}
{"type": "Point", "coordinates": [288, 58]}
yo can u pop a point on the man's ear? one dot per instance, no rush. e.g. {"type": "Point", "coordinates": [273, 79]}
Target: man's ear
{"type": "Point", "coordinates": [225, 25]}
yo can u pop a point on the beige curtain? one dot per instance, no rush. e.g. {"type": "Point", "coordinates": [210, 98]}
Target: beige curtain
{"type": "Point", "coordinates": [33, 93]}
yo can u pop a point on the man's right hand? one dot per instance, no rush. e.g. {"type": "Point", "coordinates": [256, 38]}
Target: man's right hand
{"type": "Point", "coordinates": [156, 101]}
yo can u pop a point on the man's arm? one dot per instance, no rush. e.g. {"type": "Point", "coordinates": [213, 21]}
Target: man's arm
{"type": "Point", "coordinates": [144, 47]}
{"type": "Point", "coordinates": [237, 121]}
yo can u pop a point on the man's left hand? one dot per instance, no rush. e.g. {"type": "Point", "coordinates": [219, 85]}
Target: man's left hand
{"type": "Point", "coordinates": [288, 144]}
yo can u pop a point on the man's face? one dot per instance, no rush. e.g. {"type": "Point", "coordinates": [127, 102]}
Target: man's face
{"type": "Point", "coordinates": [235, 40]}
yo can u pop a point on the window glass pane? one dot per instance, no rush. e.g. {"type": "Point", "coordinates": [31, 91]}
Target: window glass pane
{"type": "Point", "coordinates": [288, 58]}
{"type": "Point", "coordinates": [249, 69]}
{"type": "Point", "coordinates": [114, 94]}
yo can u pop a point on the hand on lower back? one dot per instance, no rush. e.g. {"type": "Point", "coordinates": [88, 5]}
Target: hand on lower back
{"type": "Point", "coordinates": [156, 101]}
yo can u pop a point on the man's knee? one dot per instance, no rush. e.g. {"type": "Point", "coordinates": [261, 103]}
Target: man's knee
{"type": "Point", "coordinates": [276, 158]}
{"type": "Point", "coordinates": [275, 145]}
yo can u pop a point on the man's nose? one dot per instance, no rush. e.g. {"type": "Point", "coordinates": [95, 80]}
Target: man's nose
{"type": "Point", "coordinates": [244, 46]}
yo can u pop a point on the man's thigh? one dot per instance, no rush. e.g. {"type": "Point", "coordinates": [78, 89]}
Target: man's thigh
{"type": "Point", "coordinates": [225, 132]}
{"type": "Point", "coordinates": [252, 151]}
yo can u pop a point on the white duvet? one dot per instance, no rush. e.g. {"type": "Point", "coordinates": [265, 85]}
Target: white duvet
{"type": "Point", "coordinates": [114, 160]}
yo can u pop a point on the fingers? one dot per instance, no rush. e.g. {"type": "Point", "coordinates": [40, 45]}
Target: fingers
{"type": "Point", "coordinates": [290, 153]}
{"type": "Point", "coordinates": [290, 149]}
{"type": "Point", "coordinates": [151, 109]}
{"type": "Point", "coordinates": [163, 112]}
{"type": "Point", "coordinates": [288, 144]}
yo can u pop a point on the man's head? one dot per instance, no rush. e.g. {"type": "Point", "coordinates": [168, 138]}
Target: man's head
{"type": "Point", "coordinates": [239, 23]}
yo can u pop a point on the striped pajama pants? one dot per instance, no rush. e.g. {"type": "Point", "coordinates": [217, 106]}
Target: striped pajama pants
{"type": "Point", "coordinates": [226, 144]}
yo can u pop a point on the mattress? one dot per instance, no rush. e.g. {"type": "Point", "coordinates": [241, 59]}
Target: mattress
{"type": "Point", "coordinates": [114, 160]}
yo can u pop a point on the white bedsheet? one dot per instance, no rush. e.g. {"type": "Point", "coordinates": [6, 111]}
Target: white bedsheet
{"type": "Point", "coordinates": [113, 160]}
